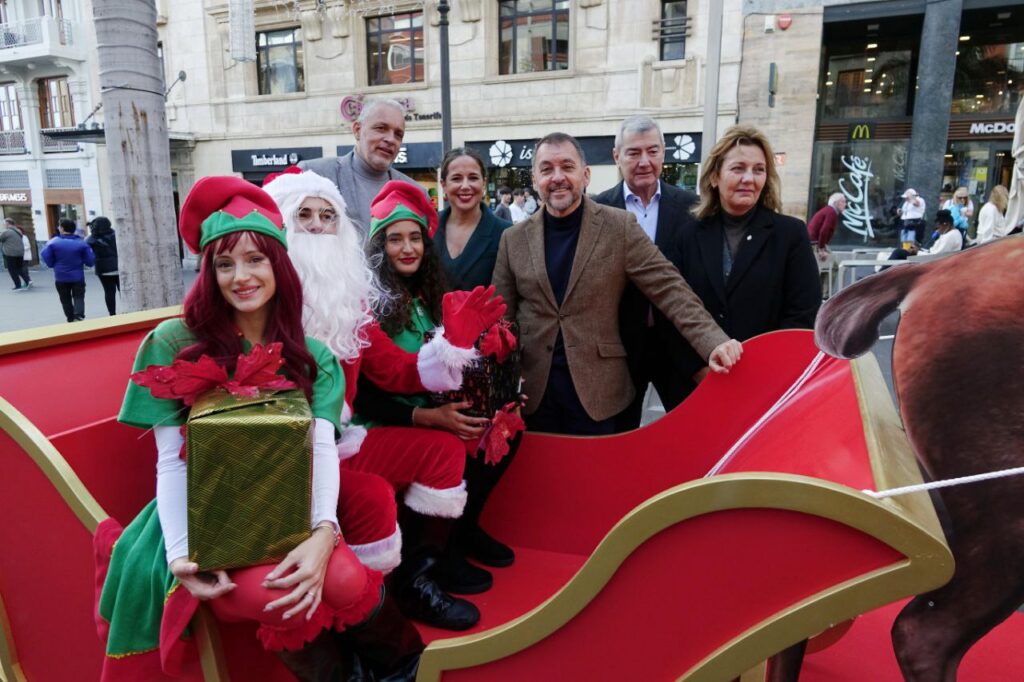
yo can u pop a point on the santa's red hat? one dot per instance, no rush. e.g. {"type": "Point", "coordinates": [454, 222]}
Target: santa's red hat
{"type": "Point", "coordinates": [220, 205]}
{"type": "Point", "coordinates": [399, 200]}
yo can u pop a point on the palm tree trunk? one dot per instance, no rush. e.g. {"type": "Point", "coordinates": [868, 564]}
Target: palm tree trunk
{"type": "Point", "coordinates": [138, 153]}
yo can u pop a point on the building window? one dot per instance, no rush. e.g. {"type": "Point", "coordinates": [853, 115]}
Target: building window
{"type": "Point", "coordinates": [534, 36]}
{"type": "Point", "coordinates": [671, 31]}
{"type": "Point", "coordinates": [989, 62]}
{"type": "Point", "coordinates": [10, 107]}
{"type": "Point", "coordinates": [394, 49]}
{"type": "Point", "coordinates": [55, 106]}
{"type": "Point", "coordinates": [279, 62]}
{"type": "Point", "coordinates": [870, 68]}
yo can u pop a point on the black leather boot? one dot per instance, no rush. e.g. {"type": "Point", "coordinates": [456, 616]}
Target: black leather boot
{"type": "Point", "coordinates": [386, 647]}
{"type": "Point", "coordinates": [455, 574]}
{"type": "Point", "coordinates": [417, 593]}
{"type": "Point", "coordinates": [481, 479]}
{"type": "Point", "coordinates": [318, 661]}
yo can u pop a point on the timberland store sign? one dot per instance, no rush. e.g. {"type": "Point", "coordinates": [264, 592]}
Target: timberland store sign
{"type": "Point", "coordinates": [269, 160]}
{"type": "Point", "coordinates": [16, 196]}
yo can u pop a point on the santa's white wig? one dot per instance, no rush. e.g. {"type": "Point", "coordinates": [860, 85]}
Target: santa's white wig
{"type": "Point", "coordinates": [339, 289]}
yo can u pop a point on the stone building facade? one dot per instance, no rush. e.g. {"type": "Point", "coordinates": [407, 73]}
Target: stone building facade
{"type": "Point", "coordinates": [47, 87]}
{"type": "Point", "coordinates": [873, 98]}
{"type": "Point", "coordinates": [518, 71]}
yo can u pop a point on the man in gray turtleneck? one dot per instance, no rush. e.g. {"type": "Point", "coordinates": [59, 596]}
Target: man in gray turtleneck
{"type": "Point", "coordinates": [362, 172]}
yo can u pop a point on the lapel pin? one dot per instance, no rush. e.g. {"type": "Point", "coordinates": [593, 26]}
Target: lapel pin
{"type": "Point", "coordinates": [749, 237]}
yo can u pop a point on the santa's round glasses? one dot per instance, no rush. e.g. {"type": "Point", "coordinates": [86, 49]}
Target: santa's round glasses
{"type": "Point", "coordinates": [327, 217]}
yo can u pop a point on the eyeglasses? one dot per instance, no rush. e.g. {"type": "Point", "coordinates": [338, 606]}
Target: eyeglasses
{"type": "Point", "coordinates": [328, 217]}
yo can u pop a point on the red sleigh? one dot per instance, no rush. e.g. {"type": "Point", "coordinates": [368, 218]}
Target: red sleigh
{"type": "Point", "coordinates": [632, 562]}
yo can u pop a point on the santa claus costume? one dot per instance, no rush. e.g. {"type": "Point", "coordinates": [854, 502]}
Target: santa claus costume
{"type": "Point", "coordinates": [244, 305]}
{"type": "Point", "coordinates": [424, 465]}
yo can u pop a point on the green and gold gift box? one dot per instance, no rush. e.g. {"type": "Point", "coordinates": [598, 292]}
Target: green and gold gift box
{"type": "Point", "coordinates": [250, 466]}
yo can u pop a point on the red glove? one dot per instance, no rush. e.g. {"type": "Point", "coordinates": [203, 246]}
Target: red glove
{"type": "Point", "coordinates": [467, 314]}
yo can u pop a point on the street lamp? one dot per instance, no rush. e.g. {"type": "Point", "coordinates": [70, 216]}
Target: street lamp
{"type": "Point", "coordinates": [446, 87]}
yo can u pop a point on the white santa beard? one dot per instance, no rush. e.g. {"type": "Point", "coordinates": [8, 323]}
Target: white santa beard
{"type": "Point", "coordinates": [337, 289]}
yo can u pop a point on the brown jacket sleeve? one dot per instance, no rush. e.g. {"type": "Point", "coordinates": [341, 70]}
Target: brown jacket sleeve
{"type": "Point", "coordinates": [663, 286]}
{"type": "Point", "coordinates": [504, 280]}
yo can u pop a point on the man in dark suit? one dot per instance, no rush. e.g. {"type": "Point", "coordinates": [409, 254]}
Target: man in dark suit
{"type": "Point", "coordinates": [662, 210]}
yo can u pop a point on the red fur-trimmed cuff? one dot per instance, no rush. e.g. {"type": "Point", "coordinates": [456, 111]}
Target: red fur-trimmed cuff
{"type": "Point", "coordinates": [447, 503]}
{"type": "Point", "coordinates": [382, 555]}
{"type": "Point", "coordinates": [440, 364]}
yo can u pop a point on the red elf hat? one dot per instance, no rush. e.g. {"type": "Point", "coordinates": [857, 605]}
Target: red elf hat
{"type": "Point", "coordinates": [220, 205]}
{"type": "Point", "coordinates": [400, 200]}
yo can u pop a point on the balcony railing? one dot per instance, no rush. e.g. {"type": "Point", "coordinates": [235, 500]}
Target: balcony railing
{"type": "Point", "coordinates": [65, 29]}
{"type": "Point", "coordinates": [21, 33]}
{"type": "Point", "coordinates": [53, 144]}
{"type": "Point", "coordinates": [35, 31]}
{"type": "Point", "coordinates": [12, 141]}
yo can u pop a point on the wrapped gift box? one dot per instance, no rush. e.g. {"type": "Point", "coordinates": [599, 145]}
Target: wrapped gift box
{"type": "Point", "coordinates": [486, 383]}
{"type": "Point", "coordinates": [250, 464]}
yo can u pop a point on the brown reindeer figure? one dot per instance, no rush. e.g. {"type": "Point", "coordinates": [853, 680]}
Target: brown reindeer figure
{"type": "Point", "coordinates": [958, 368]}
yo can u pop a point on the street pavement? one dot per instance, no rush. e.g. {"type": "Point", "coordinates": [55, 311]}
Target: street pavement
{"type": "Point", "coordinates": [40, 306]}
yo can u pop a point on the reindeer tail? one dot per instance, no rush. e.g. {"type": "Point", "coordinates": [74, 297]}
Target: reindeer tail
{"type": "Point", "coordinates": [847, 324]}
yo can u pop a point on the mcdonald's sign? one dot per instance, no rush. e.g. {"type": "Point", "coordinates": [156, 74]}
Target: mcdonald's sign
{"type": "Point", "coordinates": [861, 131]}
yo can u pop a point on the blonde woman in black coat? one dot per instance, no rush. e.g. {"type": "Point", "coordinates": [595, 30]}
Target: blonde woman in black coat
{"type": "Point", "coordinates": [751, 266]}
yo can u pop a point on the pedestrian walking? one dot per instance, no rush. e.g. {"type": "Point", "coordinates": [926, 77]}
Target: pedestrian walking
{"type": "Point", "coordinates": [13, 250]}
{"type": "Point", "coordinates": [68, 255]}
{"type": "Point", "coordinates": [103, 243]}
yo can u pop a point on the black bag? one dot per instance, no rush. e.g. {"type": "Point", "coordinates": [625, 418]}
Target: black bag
{"type": "Point", "coordinates": [486, 383]}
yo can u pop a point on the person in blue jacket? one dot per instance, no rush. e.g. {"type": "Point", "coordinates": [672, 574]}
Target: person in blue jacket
{"type": "Point", "coordinates": [68, 255]}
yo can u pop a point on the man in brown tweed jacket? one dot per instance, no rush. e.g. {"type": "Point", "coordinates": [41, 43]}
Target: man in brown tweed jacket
{"type": "Point", "coordinates": [562, 274]}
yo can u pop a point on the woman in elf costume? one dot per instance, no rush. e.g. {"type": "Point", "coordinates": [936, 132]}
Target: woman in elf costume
{"type": "Point", "coordinates": [399, 249]}
{"type": "Point", "coordinates": [242, 332]}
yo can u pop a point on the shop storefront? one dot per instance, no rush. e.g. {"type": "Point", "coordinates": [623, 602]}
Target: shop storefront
{"type": "Point", "coordinates": [978, 157]}
{"type": "Point", "coordinates": [65, 204]}
{"type": "Point", "coordinates": [16, 204]}
{"type": "Point", "coordinates": [866, 107]}
{"type": "Point", "coordinates": [419, 160]}
{"type": "Point", "coordinates": [256, 164]}
{"type": "Point", "coordinates": [510, 161]}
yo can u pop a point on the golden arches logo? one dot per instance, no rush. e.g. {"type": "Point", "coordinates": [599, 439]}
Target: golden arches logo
{"type": "Point", "coordinates": [861, 132]}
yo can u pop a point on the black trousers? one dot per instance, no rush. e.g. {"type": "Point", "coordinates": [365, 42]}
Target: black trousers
{"type": "Point", "coordinates": [16, 267]}
{"type": "Point", "coordinates": [72, 299]}
{"type": "Point", "coordinates": [652, 366]}
{"type": "Point", "coordinates": [561, 411]}
{"type": "Point", "coordinates": [111, 287]}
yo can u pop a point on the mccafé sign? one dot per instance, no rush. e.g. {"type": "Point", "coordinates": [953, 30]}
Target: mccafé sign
{"type": "Point", "coordinates": [994, 128]}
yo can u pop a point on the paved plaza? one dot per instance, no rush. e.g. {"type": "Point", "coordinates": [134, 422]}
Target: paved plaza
{"type": "Point", "coordinates": [39, 306]}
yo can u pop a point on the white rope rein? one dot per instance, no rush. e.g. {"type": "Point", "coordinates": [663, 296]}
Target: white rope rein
{"type": "Point", "coordinates": [946, 483]}
{"type": "Point", "coordinates": [797, 385]}
{"type": "Point", "coordinates": [812, 367]}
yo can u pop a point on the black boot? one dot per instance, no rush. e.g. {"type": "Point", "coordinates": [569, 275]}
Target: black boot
{"type": "Point", "coordinates": [416, 592]}
{"type": "Point", "coordinates": [318, 661]}
{"type": "Point", "coordinates": [386, 647]}
{"type": "Point", "coordinates": [456, 575]}
{"type": "Point", "coordinates": [481, 479]}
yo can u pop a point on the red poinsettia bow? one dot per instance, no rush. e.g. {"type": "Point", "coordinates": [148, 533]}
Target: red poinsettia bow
{"type": "Point", "coordinates": [505, 425]}
{"type": "Point", "coordinates": [498, 341]}
{"type": "Point", "coordinates": [186, 381]}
